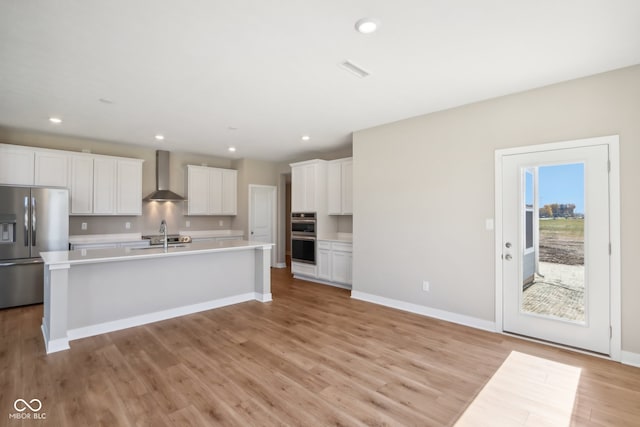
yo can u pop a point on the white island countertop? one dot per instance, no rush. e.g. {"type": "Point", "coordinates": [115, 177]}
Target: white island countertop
{"type": "Point", "coordinates": [92, 256]}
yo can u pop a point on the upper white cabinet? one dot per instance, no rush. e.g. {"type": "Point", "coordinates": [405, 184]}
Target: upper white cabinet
{"type": "Point", "coordinates": [51, 168]}
{"type": "Point", "coordinates": [98, 185]}
{"type": "Point", "coordinates": [117, 186]}
{"type": "Point", "coordinates": [81, 184]}
{"type": "Point", "coordinates": [307, 186]}
{"type": "Point", "coordinates": [129, 187]}
{"type": "Point", "coordinates": [340, 187]}
{"type": "Point", "coordinates": [211, 191]}
{"type": "Point", "coordinates": [104, 186]}
{"type": "Point", "coordinates": [16, 165]}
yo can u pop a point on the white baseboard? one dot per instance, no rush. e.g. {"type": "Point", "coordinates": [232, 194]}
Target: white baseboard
{"type": "Point", "coordinates": [116, 325]}
{"type": "Point", "coordinates": [322, 282]}
{"type": "Point", "coordinates": [281, 265]}
{"type": "Point", "coordinates": [53, 346]}
{"type": "Point", "coordinates": [631, 359]}
{"type": "Point", "coordinates": [262, 297]}
{"type": "Point", "coordinates": [461, 319]}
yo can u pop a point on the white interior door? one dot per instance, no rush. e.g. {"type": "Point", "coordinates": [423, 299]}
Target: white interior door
{"type": "Point", "coordinates": [542, 240]}
{"type": "Point", "coordinates": [262, 214]}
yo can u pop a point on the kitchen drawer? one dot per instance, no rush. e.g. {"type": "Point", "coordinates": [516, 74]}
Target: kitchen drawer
{"type": "Point", "coordinates": [303, 269]}
{"type": "Point", "coordinates": [324, 245]}
{"type": "Point", "coordinates": [342, 247]}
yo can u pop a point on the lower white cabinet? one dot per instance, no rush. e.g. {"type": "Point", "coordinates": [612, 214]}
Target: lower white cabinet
{"type": "Point", "coordinates": [303, 269]}
{"type": "Point", "coordinates": [334, 262]}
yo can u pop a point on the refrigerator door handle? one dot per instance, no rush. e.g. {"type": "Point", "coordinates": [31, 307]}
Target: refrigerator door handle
{"type": "Point", "coordinates": [26, 221]}
{"type": "Point", "coordinates": [33, 221]}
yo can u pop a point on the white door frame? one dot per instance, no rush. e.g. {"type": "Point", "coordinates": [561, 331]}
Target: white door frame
{"type": "Point", "coordinates": [614, 227]}
{"type": "Point", "coordinates": [274, 208]}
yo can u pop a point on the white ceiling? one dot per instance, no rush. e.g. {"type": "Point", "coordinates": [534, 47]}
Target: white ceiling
{"type": "Point", "coordinates": [192, 69]}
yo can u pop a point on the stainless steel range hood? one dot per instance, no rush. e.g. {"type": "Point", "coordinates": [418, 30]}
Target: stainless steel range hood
{"type": "Point", "coordinates": [162, 192]}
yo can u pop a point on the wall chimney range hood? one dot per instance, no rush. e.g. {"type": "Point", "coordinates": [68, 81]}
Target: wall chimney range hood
{"type": "Point", "coordinates": [162, 193]}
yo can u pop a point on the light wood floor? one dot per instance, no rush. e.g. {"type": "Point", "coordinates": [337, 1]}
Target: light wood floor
{"type": "Point", "coordinates": [311, 357]}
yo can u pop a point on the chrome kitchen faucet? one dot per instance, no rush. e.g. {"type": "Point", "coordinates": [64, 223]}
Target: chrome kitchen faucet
{"type": "Point", "coordinates": [164, 231]}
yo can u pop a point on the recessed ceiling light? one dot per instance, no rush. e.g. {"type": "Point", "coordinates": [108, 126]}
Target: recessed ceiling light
{"type": "Point", "coordinates": [105, 101]}
{"type": "Point", "coordinates": [55, 120]}
{"type": "Point", "coordinates": [306, 137]}
{"type": "Point", "coordinates": [159, 137]}
{"type": "Point", "coordinates": [367, 25]}
{"type": "Point", "coordinates": [232, 149]}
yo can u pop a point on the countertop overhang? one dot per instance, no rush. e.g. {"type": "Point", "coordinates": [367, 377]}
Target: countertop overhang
{"type": "Point", "coordinates": [92, 256]}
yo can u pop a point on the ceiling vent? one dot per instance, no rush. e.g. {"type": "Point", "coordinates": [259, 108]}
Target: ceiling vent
{"type": "Point", "coordinates": [162, 193]}
{"type": "Point", "coordinates": [354, 69]}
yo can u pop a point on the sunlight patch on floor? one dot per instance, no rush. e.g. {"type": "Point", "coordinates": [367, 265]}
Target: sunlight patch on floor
{"type": "Point", "coordinates": [525, 391]}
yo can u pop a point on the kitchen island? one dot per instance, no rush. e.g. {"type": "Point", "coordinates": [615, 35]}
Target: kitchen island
{"type": "Point", "coordinates": [90, 292]}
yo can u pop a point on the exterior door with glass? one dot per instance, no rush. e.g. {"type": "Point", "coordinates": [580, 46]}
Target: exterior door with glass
{"type": "Point", "coordinates": [555, 248]}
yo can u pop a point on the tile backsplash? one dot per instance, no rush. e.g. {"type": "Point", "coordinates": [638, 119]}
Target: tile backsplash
{"type": "Point", "coordinates": [149, 223]}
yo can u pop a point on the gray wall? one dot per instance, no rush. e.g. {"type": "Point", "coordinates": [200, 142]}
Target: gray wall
{"type": "Point", "coordinates": [424, 186]}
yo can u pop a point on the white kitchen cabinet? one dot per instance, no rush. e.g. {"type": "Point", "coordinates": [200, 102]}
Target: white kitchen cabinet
{"type": "Point", "coordinates": [16, 165]}
{"type": "Point", "coordinates": [323, 260]}
{"type": "Point", "coordinates": [341, 265]}
{"type": "Point", "coordinates": [104, 185]}
{"type": "Point", "coordinates": [129, 187]}
{"type": "Point", "coordinates": [229, 192]}
{"type": "Point", "coordinates": [308, 186]}
{"type": "Point", "coordinates": [51, 168]}
{"type": "Point", "coordinates": [340, 187]}
{"type": "Point", "coordinates": [211, 191]}
{"type": "Point", "coordinates": [81, 185]}
{"type": "Point", "coordinates": [334, 262]}
{"type": "Point", "coordinates": [198, 190]}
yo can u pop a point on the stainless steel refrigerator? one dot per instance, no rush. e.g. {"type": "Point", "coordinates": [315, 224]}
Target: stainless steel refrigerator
{"type": "Point", "coordinates": [32, 220]}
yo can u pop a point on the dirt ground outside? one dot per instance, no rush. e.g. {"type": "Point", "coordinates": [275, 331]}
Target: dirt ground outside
{"type": "Point", "coordinates": [559, 289]}
{"type": "Point", "coordinates": [562, 241]}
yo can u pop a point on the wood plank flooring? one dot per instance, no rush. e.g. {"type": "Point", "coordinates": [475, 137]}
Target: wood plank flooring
{"type": "Point", "coordinates": [312, 357]}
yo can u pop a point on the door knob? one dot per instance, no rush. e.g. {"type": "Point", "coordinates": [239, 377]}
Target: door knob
{"type": "Point", "coordinates": [507, 245]}
{"type": "Point", "coordinates": [507, 257]}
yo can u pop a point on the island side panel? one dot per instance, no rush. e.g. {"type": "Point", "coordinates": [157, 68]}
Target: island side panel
{"type": "Point", "coordinates": [263, 274]}
{"type": "Point", "coordinates": [104, 296]}
{"type": "Point", "coordinates": [55, 311]}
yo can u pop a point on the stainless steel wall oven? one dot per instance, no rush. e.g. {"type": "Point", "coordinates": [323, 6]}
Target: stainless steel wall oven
{"type": "Point", "coordinates": [303, 237]}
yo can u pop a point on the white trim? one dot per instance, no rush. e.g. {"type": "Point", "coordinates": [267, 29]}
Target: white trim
{"type": "Point", "coordinates": [274, 216]}
{"type": "Point", "coordinates": [322, 282]}
{"type": "Point", "coordinates": [613, 142]}
{"type": "Point", "coordinates": [281, 265]}
{"type": "Point", "coordinates": [460, 319]}
{"type": "Point", "coordinates": [53, 346]}
{"type": "Point", "coordinates": [262, 297]}
{"type": "Point", "coordinates": [631, 359]}
{"type": "Point", "coordinates": [116, 325]}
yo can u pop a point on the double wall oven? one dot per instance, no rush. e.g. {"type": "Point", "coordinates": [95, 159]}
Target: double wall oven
{"type": "Point", "coordinates": [303, 237]}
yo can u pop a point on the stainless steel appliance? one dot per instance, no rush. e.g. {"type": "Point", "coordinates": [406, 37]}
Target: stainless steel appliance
{"type": "Point", "coordinates": [32, 220]}
{"type": "Point", "coordinates": [172, 239]}
{"type": "Point", "coordinates": [303, 237]}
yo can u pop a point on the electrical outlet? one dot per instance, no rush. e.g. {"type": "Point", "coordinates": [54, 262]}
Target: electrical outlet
{"type": "Point", "coordinates": [425, 286]}
{"type": "Point", "coordinates": [84, 226]}
{"type": "Point", "coordinates": [188, 224]}
{"type": "Point", "coordinates": [127, 225]}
